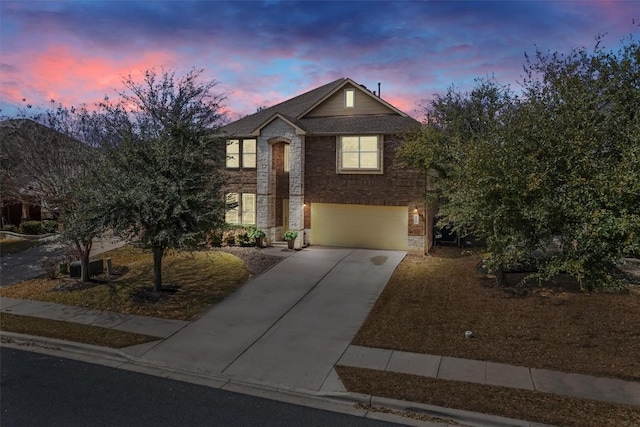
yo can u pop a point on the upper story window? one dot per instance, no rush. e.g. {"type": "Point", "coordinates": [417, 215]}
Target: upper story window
{"type": "Point", "coordinates": [359, 154]}
{"type": "Point", "coordinates": [241, 153]}
{"type": "Point", "coordinates": [349, 98]}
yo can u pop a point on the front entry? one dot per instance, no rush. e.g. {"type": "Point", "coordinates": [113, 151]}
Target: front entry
{"type": "Point", "coordinates": [285, 214]}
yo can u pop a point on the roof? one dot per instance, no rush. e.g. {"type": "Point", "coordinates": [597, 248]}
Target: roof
{"type": "Point", "coordinates": [295, 109]}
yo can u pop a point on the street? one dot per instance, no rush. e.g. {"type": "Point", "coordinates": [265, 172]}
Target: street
{"type": "Point", "coordinates": [38, 389]}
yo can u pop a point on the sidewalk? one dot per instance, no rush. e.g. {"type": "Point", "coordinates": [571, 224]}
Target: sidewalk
{"type": "Point", "coordinates": [432, 366]}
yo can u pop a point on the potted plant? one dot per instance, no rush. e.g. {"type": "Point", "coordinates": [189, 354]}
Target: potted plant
{"type": "Point", "coordinates": [290, 237]}
{"type": "Point", "coordinates": [259, 236]}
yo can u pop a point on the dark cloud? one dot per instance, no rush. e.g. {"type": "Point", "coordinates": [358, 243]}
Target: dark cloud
{"type": "Point", "coordinates": [272, 50]}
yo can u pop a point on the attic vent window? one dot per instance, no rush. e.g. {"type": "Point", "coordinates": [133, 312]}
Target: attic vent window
{"type": "Point", "coordinates": [349, 98]}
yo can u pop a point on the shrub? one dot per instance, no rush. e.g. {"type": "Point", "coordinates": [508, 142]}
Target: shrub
{"type": "Point", "coordinates": [243, 238]}
{"type": "Point", "coordinates": [256, 233]}
{"type": "Point", "coordinates": [213, 239]}
{"type": "Point", "coordinates": [229, 238]}
{"type": "Point", "coordinates": [51, 267]}
{"type": "Point", "coordinates": [50, 226]}
{"type": "Point", "coordinates": [290, 235]}
{"type": "Point", "coordinates": [31, 227]}
{"type": "Point", "coordinates": [9, 227]}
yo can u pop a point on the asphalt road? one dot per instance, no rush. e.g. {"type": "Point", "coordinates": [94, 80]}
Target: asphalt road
{"type": "Point", "coordinates": [43, 390]}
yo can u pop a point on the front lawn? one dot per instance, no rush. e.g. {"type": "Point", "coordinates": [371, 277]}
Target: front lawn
{"type": "Point", "coordinates": [430, 302]}
{"type": "Point", "coordinates": [193, 282]}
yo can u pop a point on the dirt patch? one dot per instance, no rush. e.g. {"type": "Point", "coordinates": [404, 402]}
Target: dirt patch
{"type": "Point", "coordinates": [430, 302]}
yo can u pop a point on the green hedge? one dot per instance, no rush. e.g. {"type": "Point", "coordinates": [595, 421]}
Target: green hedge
{"type": "Point", "coordinates": [31, 227]}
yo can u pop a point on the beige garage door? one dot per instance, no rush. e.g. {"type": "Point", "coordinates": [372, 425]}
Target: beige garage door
{"type": "Point", "coordinates": [359, 226]}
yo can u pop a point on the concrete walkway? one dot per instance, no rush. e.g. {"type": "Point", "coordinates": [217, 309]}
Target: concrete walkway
{"type": "Point", "coordinates": [287, 328]}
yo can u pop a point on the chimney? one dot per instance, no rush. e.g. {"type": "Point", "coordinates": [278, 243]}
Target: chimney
{"type": "Point", "coordinates": [378, 89]}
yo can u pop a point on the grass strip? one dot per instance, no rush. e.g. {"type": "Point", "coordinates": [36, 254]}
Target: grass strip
{"type": "Point", "coordinates": [13, 246]}
{"type": "Point", "coordinates": [527, 405]}
{"type": "Point", "coordinates": [70, 331]}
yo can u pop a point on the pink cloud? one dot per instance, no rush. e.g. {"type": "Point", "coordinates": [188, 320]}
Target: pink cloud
{"type": "Point", "coordinates": [72, 77]}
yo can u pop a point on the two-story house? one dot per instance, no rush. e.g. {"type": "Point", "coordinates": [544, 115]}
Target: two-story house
{"type": "Point", "coordinates": [323, 164]}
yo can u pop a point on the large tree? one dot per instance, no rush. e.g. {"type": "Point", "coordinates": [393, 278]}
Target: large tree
{"type": "Point", "coordinates": [558, 165]}
{"type": "Point", "coordinates": [163, 168]}
{"type": "Point", "coordinates": [47, 157]}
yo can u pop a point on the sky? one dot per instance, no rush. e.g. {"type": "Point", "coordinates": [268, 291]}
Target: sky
{"type": "Point", "coordinates": [262, 53]}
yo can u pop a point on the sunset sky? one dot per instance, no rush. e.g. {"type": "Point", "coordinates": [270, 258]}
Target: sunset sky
{"type": "Point", "coordinates": [262, 53]}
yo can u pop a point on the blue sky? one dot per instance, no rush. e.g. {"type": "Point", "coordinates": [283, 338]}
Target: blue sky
{"type": "Point", "coordinates": [262, 53]}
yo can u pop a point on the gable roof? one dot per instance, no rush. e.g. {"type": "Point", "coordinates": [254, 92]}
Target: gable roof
{"type": "Point", "coordinates": [295, 109]}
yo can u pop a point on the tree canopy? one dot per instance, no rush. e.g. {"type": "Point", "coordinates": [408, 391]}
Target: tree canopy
{"type": "Point", "coordinates": [551, 175]}
{"type": "Point", "coordinates": [162, 169]}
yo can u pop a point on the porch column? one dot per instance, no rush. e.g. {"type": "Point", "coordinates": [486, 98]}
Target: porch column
{"type": "Point", "coordinates": [263, 193]}
{"type": "Point", "coordinates": [296, 188]}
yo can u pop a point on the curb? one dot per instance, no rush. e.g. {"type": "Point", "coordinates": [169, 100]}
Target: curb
{"type": "Point", "coordinates": [342, 402]}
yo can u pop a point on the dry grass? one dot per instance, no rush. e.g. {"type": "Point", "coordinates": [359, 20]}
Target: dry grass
{"type": "Point", "coordinates": [71, 331]}
{"type": "Point", "coordinates": [430, 302]}
{"type": "Point", "coordinates": [520, 404]}
{"type": "Point", "coordinates": [13, 246]}
{"type": "Point", "coordinates": [194, 282]}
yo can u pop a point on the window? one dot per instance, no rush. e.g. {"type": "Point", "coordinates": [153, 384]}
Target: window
{"type": "Point", "coordinates": [349, 98]}
{"type": "Point", "coordinates": [233, 153]}
{"type": "Point", "coordinates": [249, 151]}
{"type": "Point", "coordinates": [240, 208]}
{"type": "Point", "coordinates": [287, 154]}
{"type": "Point", "coordinates": [248, 208]}
{"type": "Point", "coordinates": [359, 154]}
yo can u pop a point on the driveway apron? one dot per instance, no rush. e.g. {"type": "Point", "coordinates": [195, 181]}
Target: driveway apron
{"type": "Point", "coordinates": [289, 326]}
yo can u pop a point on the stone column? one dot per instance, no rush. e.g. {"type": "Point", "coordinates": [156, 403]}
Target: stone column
{"type": "Point", "coordinates": [296, 188]}
{"type": "Point", "coordinates": [263, 191]}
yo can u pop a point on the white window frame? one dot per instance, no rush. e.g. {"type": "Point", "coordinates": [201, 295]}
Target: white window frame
{"type": "Point", "coordinates": [350, 98]}
{"type": "Point", "coordinates": [340, 169]}
{"type": "Point", "coordinates": [244, 211]}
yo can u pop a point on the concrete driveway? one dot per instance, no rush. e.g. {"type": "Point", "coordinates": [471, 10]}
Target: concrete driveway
{"type": "Point", "coordinates": [289, 326]}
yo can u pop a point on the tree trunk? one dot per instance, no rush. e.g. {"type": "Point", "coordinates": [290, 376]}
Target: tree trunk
{"type": "Point", "coordinates": [84, 251]}
{"type": "Point", "coordinates": [501, 279]}
{"type": "Point", "coordinates": [428, 229]}
{"type": "Point", "coordinates": [158, 252]}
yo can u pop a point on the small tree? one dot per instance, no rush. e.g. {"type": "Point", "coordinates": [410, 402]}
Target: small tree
{"type": "Point", "coordinates": [163, 168]}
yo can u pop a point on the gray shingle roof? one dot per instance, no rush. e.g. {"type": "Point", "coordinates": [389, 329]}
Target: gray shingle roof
{"type": "Point", "coordinates": [291, 109]}
{"type": "Point", "coordinates": [294, 108]}
{"type": "Point", "coordinates": [374, 124]}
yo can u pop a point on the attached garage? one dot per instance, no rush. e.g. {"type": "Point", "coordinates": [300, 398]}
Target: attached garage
{"type": "Point", "coordinates": [359, 226]}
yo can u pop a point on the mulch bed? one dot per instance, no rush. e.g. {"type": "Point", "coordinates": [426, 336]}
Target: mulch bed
{"type": "Point", "coordinates": [256, 261]}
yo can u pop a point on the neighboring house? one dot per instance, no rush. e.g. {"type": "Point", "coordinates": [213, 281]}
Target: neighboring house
{"type": "Point", "coordinates": [34, 159]}
{"type": "Point", "coordinates": [323, 164]}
